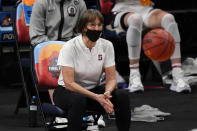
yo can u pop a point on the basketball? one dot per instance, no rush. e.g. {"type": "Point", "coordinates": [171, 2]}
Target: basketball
{"type": "Point", "coordinates": [158, 44]}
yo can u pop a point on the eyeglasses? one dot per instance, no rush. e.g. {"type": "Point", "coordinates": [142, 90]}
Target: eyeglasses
{"type": "Point", "coordinates": [92, 25]}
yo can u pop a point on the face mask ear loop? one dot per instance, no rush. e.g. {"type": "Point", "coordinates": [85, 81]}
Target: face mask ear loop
{"type": "Point", "coordinates": [102, 34]}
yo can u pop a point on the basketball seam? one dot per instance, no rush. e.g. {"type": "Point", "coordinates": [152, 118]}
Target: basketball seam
{"type": "Point", "coordinates": [163, 52]}
{"type": "Point", "coordinates": [159, 38]}
{"type": "Point", "coordinates": [154, 46]}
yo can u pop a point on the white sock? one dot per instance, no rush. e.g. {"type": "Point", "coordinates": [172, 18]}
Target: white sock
{"type": "Point", "coordinates": [176, 65]}
{"type": "Point", "coordinates": [134, 68]}
{"type": "Point", "coordinates": [176, 70]}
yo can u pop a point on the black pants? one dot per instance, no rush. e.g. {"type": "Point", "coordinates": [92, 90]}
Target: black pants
{"type": "Point", "coordinates": [76, 104]}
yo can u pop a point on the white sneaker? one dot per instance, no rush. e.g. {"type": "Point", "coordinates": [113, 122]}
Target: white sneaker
{"type": "Point", "coordinates": [61, 120]}
{"type": "Point", "coordinates": [92, 128]}
{"type": "Point", "coordinates": [101, 122]}
{"type": "Point", "coordinates": [179, 84]}
{"type": "Point", "coordinates": [135, 83]}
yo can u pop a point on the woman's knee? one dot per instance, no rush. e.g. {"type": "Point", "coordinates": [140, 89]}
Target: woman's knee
{"type": "Point", "coordinates": [121, 101]}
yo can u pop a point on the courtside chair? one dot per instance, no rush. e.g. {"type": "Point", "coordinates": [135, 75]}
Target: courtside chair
{"type": "Point", "coordinates": [45, 73]}
{"type": "Point", "coordinates": [21, 31]}
{"type": "Point", "coordinates": [23, 14]}
{"type": "Point", "coordinates": [7, 35]}
{"type": "Point", "coordinates": [7, 42]}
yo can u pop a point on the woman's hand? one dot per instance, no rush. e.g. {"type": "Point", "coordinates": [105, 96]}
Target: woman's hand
{"type": "Point", "coordinates": [105, 103]}
{"type": "Point", "coordinates": [107, 94]}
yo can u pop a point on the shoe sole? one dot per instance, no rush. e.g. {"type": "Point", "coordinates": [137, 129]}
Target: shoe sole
{"type": "Point", "coordinates": [138, 92]}
{"type": "Point", "coordinates": [185, 90]}
{"type": "Point", "coordinates": [135, 91]}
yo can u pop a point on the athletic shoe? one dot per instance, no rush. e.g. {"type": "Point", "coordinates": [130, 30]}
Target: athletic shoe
{"type": "Point", "coordinates": [61, 120]}
{"type": "Point", "coordinates": [101, 122]}
{"type": "Point", "coordinates": [135, 83]}
{"type": "Point", "coordinates": [92, 128]}
{"type": "Point", "coordinates": [179, 84]}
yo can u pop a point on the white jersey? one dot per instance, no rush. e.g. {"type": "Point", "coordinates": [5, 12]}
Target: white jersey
{"type": "Point", "coordinates": [129, 6]}
{"type": "Point", "coordinates": [88, 65]}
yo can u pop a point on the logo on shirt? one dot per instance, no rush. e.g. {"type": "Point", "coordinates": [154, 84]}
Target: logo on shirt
{"type": "Point", "coordinates": [76, 2]}
{"type": "Point", "coordinates": [72, 11]}
{"type": "Point", "coordinates": [100, 57]}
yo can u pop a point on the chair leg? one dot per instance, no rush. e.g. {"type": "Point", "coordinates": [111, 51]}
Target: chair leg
{"type": "Point", "coordinates": [24, 90]}
{"type": "Point", "coordinates": [21, 102]}
{"type": "Point", "coordinates": [158, 67]}
{"type": "Point", "coordinates": [153, 74]}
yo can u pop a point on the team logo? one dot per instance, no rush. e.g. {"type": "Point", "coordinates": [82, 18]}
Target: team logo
{"type": "Point", "coordinates": [72, 11]}
{"type": "Point", "coordinates": [76, 2]}
{"type": "Point", "coordinates": [7, 21]}
{"type": "Point", "coordinates": [100, 57]}
{"type": "Point", "coordinates": [54, 68]}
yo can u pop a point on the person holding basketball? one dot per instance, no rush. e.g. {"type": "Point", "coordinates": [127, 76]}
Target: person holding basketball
{"type": "Point", "coordinates": [83, 59]}
{"type": "Point", "coordinates": [132, 16]}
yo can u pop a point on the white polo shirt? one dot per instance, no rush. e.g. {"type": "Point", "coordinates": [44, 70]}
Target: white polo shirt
{"type": "Point", "coordinates": [88, 65]}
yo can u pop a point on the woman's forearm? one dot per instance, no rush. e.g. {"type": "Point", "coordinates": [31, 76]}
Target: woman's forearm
{"type": "Point", "coordinates": [77, 88]}
{"type": "Point", "coordinates": [110, 78]}
{"type": "Point", "coordinates": [110, 85]}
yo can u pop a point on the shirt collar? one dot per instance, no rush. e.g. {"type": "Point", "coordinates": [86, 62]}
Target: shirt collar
{"type": "Point", "coordinates": [82, 44]}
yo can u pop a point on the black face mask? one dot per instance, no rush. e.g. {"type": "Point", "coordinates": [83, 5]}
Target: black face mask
{"type": "Point", "coordinates": [93, 35]}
